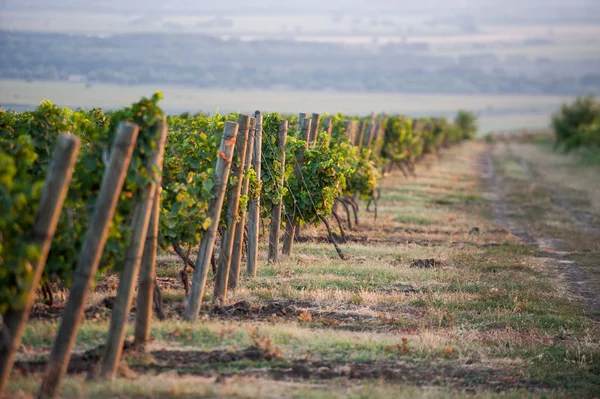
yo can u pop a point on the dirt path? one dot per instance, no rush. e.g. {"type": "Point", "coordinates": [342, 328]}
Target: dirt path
{"type": "Point", "coordinates": [555, 251]}
{"type": "Point", "coordinates": [565, 193]}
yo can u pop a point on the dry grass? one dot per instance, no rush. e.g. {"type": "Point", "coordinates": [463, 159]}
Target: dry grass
{"type": "Point", "coordinates": [564, 172]}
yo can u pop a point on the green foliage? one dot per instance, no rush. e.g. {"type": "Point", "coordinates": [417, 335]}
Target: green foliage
{"type": "Point", "coordinates": [364, 175]}
{"type": "Point", "coordinates": [578, 124]}
{"type": "Point", "coordinates": [332, 168]}
{"type": "Point", "coordinates": [22, 134]}
{"type": "Point", "coordinates": [19, 196]}
{"type": "Point", "coordinates": [322, 179]}
{"type": "Point", "coordinates": [467, 123]}
{"type": "Point", "coordinates": [401, 142]}
{"type": "Point", "coordinates": [190, 158]}
{"type": "Point", "coordinates": [271, 174]}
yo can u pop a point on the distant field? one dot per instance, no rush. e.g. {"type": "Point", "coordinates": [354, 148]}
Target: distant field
{"type": "Point", "coordinates": [497, 112]}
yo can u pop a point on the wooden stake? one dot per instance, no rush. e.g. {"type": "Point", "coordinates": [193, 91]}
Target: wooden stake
{"type": "Point", "coordinates": [350, 130]}
{"type": "Point", "coordinates": [360, 133]}
{"type": "Point", "coordinates": [56, 186]}
{"type": "Point", "coordinates": [328, 126]}
{"type": "Point", "coordinates": [145, 298]}
{"type": "Point", "coordinates": [89, 258]}
{"type": "Point", "coordinates": [254, 203]}
{"type": "Point", "coordinates": [301, 116]}
{"type": "Point", "coordinates": [276, 210]}
{"type": "Point", "coordinates": [207, 242]}
{"type": "Point", "coordinates": [129, 274]}
{"type": "Point", "coordinates": [236, 257]}
{"type": "Point", "coordinates": [370, 133]}
{"type": "Point", "coordinates": [314, 130]}
{"type": "Point", "coordinates": [233, 201]}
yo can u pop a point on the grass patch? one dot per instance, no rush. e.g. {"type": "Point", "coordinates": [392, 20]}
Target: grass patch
{"type": "Point", "coordinates": [414, 219]}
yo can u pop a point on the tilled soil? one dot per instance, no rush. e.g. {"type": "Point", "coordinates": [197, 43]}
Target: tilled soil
{"type": "Point", "coordinates": [213, 363]}
{"type": "Point", "coordinates": [346, 318]}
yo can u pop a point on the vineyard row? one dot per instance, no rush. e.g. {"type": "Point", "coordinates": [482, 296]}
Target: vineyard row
{"type": "Point", "coordinates": [119, 185]}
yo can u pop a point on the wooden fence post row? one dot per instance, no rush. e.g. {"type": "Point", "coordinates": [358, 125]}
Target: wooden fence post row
{"type": "Point", "coordinates": [233, 201]}
{"type": "Point", "coordinates": [89, 258]}
{"type": "Point", "coordinates": [207, 242]}
{"type": "Point", "coordinates": [55, 190]}
{"type": "Point", "coordinates": [236, 257]}
{"type": "Point", "coordinates": [131, 268]}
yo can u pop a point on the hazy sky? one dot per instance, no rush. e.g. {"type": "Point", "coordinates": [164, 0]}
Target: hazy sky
{"type": "Point", "coordinates": [311, 5]}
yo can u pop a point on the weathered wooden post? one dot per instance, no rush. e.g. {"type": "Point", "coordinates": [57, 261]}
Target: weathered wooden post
{"type": "Point", "coordinates": [89, 258]}
{"type": "Point", "coordinates": [370, 132]}
{"type": "Point", "coordinates": [233, 202]}
{"type": "Point", "coordinates": [236, 257]}
{"type": "Point", "coordinates": [145, 298]}
{"type": "Point", "coordinates": [328, 126]}
{"type": "Point", "coordinates": [350, 130]}
{"type": "Point", "coordinates": [314, 130]}
{"type": "Point", "coordinates": [276, 210]}
{"type": "Point", "coordinates": [358, 140]}
{"type": "Point", "coordinates": [291, 219]}
{"type": "Point", "coordinates": [56, 186]}
{"type": "Point", "coordinates": [254, 203]}
{"type": "Point", "coordinates": [380, 135]}
{"type": "Point", "coordinates": [129, 274]}
{"type": "Point", "coordinates": [207, 243]}
{"type": "Point", "coordinates": [301, 116]}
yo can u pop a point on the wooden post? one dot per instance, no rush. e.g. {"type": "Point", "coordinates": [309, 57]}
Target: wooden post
{"type": "Point", "coordinates": [314, 130]}
{"type": "Point", "coordinates": [371, 131]}
{"type": "Point", "coordinates": [380, 136]}
{"type": "Point", "coordinates": [375, 137]}
{"type": "Point", "coordinates": [56, 186]}
{"type": "Point", "coordinates": [145, 298]}
{"type": "Point", "coordinates": [291, 219]}
{"type": "Point", "coordinates": [207, 242]}
{"type": "Point", "coordinates": [346, 123]}
{"type": "Point", "coordinates": [366, 137]}
{"type": "Point", "coordinates": [129, 274]}
{"type": "Point", "coordinates": [301, 116]}
{"type": "Point", "coordinates": [89, 258]}
{"type": "Point", "coordinates": [233, 202]}
{"type": "Point", "coordinates": [240, 227]}
{"type": "Point", "coordinates": [328, 126]}
{"type": "Point", "coordinates": [350, 129]}
{"type": "Point", "coordinates": [254, 203]}
{"type": "Point", "coordinates": [360, 133]}
{"type": "Point", "coordinates": [276, 210]}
